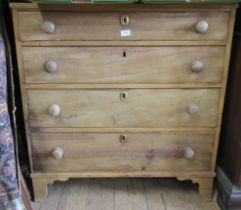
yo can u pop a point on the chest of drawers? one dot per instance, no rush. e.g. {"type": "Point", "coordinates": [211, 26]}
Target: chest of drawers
{"type": "Point", "coordinates": [123, 90]}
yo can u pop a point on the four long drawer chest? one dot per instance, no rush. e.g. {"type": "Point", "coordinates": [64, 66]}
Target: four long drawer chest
{"type": "Point", "coordinates": [123, 90]}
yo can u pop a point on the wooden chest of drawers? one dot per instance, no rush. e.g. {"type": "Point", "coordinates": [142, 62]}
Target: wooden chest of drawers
{"type": "Point", "coordinates": [123, 90]}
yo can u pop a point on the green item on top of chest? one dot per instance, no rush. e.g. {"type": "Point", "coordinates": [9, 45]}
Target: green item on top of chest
{"type": "Point", "coordinates": [190, 1]}
{"type": "Point", "coordinates": [85, 1]}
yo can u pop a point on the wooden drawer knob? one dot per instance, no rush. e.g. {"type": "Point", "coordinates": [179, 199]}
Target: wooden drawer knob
{"type": "Point", "coordinates": [48, 26]}
{"type": "Point", "coordinates": [125, 20]}
{"type": "Point", "coordinates": [51, 66]}
{"type": "Point", "coordinates": [193, 109]}
{"type": "Point", "coordinates": [202, 27]}
{"type": "Point", "coordinates": [197, 66]}
{"type": "Point", "coordinates": [123, 138]}
{"type": "Point", "coordinates": [58, 153]}
{"type": "Point", "coordinates": [189, 153]}
{"type": "Point", "coordinates": [123, 96]}
{"type": "Point", "coordinates": [54, 110]}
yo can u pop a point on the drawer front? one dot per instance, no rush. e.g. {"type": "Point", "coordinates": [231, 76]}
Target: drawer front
{"type": "Point", "coordinates": [100, 151]}
{"type": "Point", "coordinates": [123, 64]}
{"type": "Point", "coordinates": [110, 26]}
{"type": "Point", "coordinates": [123, 108]}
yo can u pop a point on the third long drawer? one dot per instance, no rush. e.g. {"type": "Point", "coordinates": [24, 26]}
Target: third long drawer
{"type": "Point", "coordinates": [126, 108]}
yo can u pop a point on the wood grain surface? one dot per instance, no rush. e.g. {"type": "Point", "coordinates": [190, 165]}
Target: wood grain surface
{"type": "Point", "coordinates": [106, 152]}
{"type": "Point", "coordinates": [141, 108]}
{"type": "Point", "coordinates": [162, 35]}
{"type": "Point", "coordinates": [123, 64]}
{"type": "Point", "coordinates": [143, 26]}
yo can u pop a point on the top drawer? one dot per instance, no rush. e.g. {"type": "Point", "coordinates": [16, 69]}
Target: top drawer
{"type": "Point", "coordinates": [183, 26]}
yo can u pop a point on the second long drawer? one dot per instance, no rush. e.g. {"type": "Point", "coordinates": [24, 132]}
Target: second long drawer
{"type": "Point", "coordinates": [130, 108]}
{"type": "Point", "coordinates": [180, 64]}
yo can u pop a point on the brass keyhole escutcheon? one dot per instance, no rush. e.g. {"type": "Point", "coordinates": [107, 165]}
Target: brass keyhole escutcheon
{"type": "Point", "coordinates": [123, 138]}
{"type": "Point", "coordinates": [125, 20]}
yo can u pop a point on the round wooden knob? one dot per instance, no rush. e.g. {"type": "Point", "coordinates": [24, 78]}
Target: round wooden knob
{"type": "Point", "coordinates": [125, 20]}
{"type": "Point", "coordinates": [58, 153]}
{"type": "Point", "coordinates": [193, 109]}
{"type": "Point", "coordinates": [123, 138]}
{"type": "Point", "coordinates": [48, 26]}
{"type": "Point", "coordinates": [201, 27]}
{"type": "Point", "coordinates": [189, 153]}
{"type": "Point", "coordinates": [197, 66]}
{"type": "Point", "coordinates": [51, 66]}
{"type": "Point", "coordinates": [54, 110]}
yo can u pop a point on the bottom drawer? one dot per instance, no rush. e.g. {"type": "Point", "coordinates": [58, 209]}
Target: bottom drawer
{"type": "Point", "coordinates": [121, 152]}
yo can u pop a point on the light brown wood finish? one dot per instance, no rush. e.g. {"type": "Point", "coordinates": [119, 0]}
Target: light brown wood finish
{"type": "Point", "coordinates": [141, 108]}
{"type": "Point", "coordinates": [146, 151]}
{"type": "Point", "coordinates": [83, 26]}
{"type": "Point", "coordinates": [40, 180]}
{"type": "Point", "coordinates": [224, 87]}
{"type": "Point", "coordinates": [123, 64]}
{"type": "Point", "coordinates": [40, 188]}
{"type": "Point", "coordinates": [183, 175]}
{"type": "Point", "coordinates": [116, 130]}
{"type": "Point", "coordinates": [122, 43]}
{"type": "Point", "coordinates": [123, 86]}
{"type": "Point", "coordinates": [205, 187]}
{"type": "Point", "coordinates": [21, 78]}
{"type": "Point", "coordinates": [203, 178]}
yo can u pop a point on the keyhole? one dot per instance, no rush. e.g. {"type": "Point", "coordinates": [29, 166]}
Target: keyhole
{"type": "Point", "coordinates": [123, 138]}
{"type": "Point", "coordinates": [125, 20]}
{"type": "Point", "coordinates": [123, 96]}
{"type": "Point", "coordinates": [124, 54]}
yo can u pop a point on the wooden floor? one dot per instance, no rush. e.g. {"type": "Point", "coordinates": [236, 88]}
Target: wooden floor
{"type": "Point", "coordinates": [124, 194]}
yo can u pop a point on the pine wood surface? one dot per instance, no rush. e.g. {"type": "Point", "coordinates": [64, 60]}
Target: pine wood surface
{"type": "Point", "coordinates": [181, 28]}
{"type": "Point", "coordinates": [156, 108]}
{"type": "Point", "coordinates": [124, 194]}
{"type": "Point", "coordinates": [57, 43]}
{"type": "Point", "coordinates": [103, 152]}
{"type": "Point", "coordinates": [143, 26]}
{"type": "Point", "coordinates": [118, 65]}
